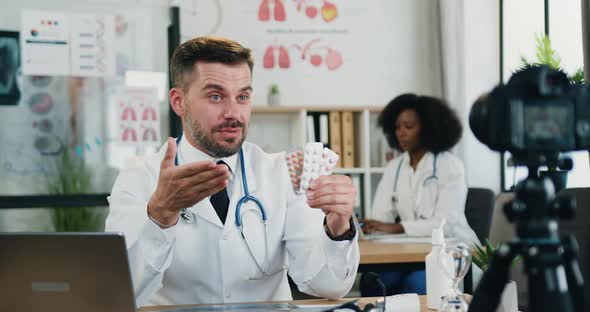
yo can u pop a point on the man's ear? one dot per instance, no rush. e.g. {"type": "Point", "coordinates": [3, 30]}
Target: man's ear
{"type": "Point", "coordinates": [176, 96]}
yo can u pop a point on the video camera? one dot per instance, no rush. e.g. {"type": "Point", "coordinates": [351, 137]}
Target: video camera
{"type": "Point", "coordinates": [538, 111]}
{"type": "Point", "coordinates": [536, 115]}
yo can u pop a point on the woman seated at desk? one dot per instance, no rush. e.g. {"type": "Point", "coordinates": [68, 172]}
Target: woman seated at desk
{"type": "Point", "coordinates": [422, 186]}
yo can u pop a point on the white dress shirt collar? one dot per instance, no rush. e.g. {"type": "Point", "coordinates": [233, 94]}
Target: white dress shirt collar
{"type": "Point", "coordinates": [425, 164]}
{"type": "Point", "coordinates": [188, 154]}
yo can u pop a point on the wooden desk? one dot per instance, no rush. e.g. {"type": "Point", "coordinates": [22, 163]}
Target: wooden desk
{"type": "Point", "coordinates": [361, 303]}
{"type": "Point", "coordinates": [387, 257]}
{"type": "Point", "coordinates": [394, 257]}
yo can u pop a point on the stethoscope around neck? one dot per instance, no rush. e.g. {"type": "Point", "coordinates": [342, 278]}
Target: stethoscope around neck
{"type": "Point", "coordinates": [190, 217]}
{"type": "Point", "coordinates": [432, 177]}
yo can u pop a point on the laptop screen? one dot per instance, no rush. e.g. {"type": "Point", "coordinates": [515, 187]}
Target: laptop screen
{"type": "Point", "coordinates": [65, 272]}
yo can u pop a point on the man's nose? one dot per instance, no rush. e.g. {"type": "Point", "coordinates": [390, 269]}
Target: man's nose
{"type": "Point", "coordinates": [231, 110]}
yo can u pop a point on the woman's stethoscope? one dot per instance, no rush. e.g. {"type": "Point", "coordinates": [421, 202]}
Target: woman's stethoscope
{"type": "Point", "coordinates": [433, 176]}
{"type": "Point", "coordinates": [190, 218]}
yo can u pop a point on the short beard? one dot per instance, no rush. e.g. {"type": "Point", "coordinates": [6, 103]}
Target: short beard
{"type": "Point", "coordinates": [206, 141]}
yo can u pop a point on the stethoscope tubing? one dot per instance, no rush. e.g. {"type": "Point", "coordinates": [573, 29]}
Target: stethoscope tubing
{"type": "Point", "coordinates": [399, 167]}
{"type": "Point", "coordinates": [190, 217]}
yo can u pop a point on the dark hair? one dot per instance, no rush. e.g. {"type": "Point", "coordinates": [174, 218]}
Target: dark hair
{"type": "Point", "coordinates": [440, 128]}
{"type": "Point", "coordinates": [208, 49]}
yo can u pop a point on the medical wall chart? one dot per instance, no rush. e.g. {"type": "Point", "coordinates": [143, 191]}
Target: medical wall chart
{"type": "Point", "coordinates": [34, 132]}
{"type": "Point", "coordinates": [68, 44]}
{"type": "Point", "coordinates": [45, 43]}
{"type": "Point", "coordinates": [92, 51]}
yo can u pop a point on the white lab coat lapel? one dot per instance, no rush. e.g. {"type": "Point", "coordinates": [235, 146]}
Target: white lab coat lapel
{"type": "Point", "coordinates": [405, 194]}
{"type": "Point", "coordinates": [426, 188]}
{"type": "Point", "coordinates": [418, 199]}
{"type": "Point", "coordinates": [204, 210]}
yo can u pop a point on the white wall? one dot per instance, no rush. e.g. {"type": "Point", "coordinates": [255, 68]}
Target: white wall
{"type": "Point", "coordinates": [482, 73]}
{"type": "Point", "coordinates": [388, 47]}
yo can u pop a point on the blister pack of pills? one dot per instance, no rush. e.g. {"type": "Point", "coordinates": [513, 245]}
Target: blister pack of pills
{"type": "Point", "coordinates": [305, 166]}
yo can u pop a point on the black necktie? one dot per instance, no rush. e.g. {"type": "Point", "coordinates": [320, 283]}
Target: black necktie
{"type": "Point", "coordinates": [220, 200]}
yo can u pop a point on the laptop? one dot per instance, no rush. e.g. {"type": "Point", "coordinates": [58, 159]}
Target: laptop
{"type": "Point", "coordinates": [65, 272]}
{"type": "Point", "coordinates": [372, 236]}
{"type": "Point", "coordinates": [383, 237]}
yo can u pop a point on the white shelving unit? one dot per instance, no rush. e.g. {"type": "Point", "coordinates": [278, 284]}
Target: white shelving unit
{"type": "Point", "coordinates": [283, 128]}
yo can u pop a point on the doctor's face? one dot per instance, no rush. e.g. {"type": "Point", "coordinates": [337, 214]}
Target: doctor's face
{"type": "Point", "coordinates": [216, 111]}
{"type": "Point", "coordinates": [407, 130]}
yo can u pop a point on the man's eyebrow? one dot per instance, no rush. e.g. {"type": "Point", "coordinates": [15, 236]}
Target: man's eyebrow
{"type": "Point", "coordinates": [246, 88]}
{"type": "Point", "coordinates": [221, 88]}
{"type": "Point", "coordinates": [213, 86]}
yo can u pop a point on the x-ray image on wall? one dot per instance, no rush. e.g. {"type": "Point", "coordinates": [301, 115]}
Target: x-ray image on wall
{"type": "Point", "coordinates": [9, 68]}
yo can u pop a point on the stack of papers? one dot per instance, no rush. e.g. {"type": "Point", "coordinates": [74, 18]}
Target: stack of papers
{"type": "Point", "coordinates": [401, 238]}
{"type": "Point", "coordinates": [396, 238]}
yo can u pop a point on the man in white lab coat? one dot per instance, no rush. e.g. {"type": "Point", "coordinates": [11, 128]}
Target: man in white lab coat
{"type": "Point", "coordinates": [201, 255]}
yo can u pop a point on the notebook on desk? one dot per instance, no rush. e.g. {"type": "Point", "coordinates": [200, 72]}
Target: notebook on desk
{"type": "Point", "coordinates": [65, 272]}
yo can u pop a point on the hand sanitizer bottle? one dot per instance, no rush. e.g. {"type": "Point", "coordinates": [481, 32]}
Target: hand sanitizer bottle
{"type": "Point", "coordinates": [437, 281]}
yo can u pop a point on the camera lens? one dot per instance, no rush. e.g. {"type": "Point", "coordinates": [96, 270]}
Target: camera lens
{"type": "Point", "coordinates": [478, 119]}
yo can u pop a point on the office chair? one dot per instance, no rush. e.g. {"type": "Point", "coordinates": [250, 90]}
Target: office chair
{"type": "Point", "coordinates": [479, 207]}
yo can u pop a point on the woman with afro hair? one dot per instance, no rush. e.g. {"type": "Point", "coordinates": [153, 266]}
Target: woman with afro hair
{"type": "Point", "coordinates": [423, 186]}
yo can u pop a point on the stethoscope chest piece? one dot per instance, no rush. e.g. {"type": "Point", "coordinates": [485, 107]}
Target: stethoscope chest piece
{"type": "Point", "coordinates": [188, 216]}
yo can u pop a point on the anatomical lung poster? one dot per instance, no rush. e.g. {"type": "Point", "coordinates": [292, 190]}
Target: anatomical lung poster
{"type": "Point", "coordinates": [138, 116]}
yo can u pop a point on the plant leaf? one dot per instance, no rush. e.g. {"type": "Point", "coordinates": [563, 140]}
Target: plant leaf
{"type": "Point", "coordinates": [577, 77]}
{"type": "Point", "coordinates": [71, 176]}
{"type": "Point", "coordinates": [489, 248]}
{"type": "Point", "coordinates": [516, 259]}
{"type": "Point", "coordinates": [545, 54]}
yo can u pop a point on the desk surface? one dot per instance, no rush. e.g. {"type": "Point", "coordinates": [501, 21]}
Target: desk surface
{"type": "Point", "coordinates": [362, 302]}
{"type": "Point", "coordinates": [375, 252]}
{"type": "Point", "coordinates": [372, 252]}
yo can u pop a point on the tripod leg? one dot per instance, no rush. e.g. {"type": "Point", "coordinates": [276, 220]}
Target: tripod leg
{"type": "Point", "coordinates": [575, 279]}
{"type": "Point", "coordinates": [489, 292]}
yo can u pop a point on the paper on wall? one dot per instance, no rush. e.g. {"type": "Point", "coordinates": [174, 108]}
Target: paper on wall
{"type": "Point", "coordinates": [92, 45]}
{"type": "Point", "coordinates": [138, 116]}
{"type": "Point", "coordinates": [45, 43]}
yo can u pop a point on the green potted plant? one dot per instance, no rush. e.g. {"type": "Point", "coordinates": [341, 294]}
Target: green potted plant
{"type": "Point", "coordinates": [546, 55]}
{"type": "Point", "coordinates": [482, 259]}
{"type": "Point", "coordinates": [71, 176]}
{"type": "Point", "coordinates": [273, 95]}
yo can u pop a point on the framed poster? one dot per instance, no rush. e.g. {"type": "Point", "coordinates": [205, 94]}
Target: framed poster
{"type": "Point", "coordinates": [9, 68]}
